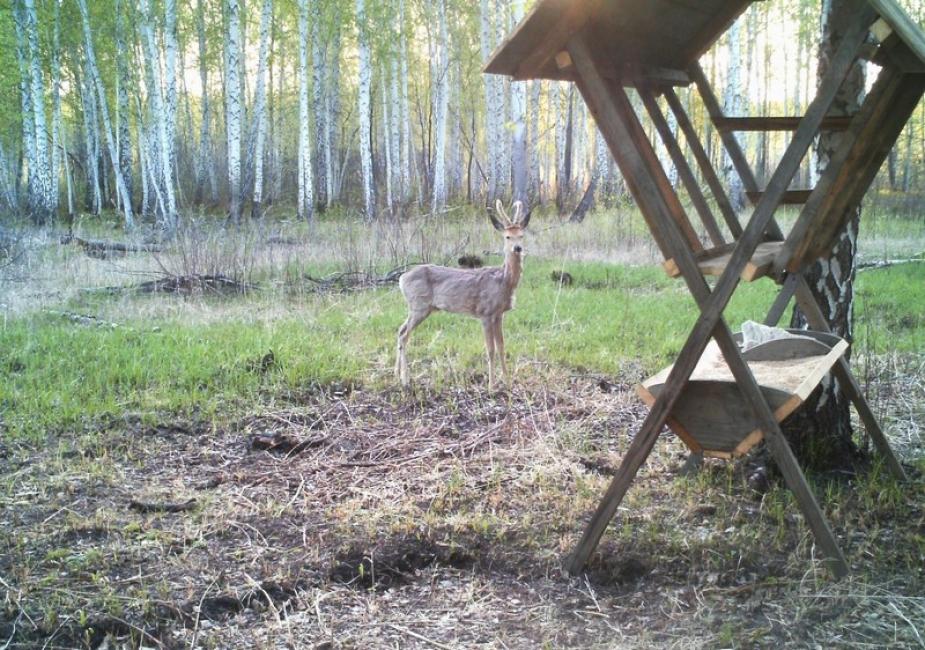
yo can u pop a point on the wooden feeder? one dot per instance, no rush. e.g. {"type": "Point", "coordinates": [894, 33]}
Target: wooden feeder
{"type": "Point", "coordinates": [720, 400]}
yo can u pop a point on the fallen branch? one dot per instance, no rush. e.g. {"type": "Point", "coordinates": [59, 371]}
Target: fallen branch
{"type": "Point", "coordinates": [82, 319]}
{"type": "Point", "coordinates": [182, 284]}
{"type": "Point", "coordinates": [149, 506]}
{"type": "Point", "coordinates": [281, 442]}
{"type": "Point", "coordinates": [352, 280]}
{"type": "Point", "coordinates": [107, 249]}
{"type": "Point", "coordinates": [883, 264]}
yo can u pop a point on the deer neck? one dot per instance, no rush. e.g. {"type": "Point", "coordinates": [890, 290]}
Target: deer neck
{"type": "Point", "coordinates": [513, 266]}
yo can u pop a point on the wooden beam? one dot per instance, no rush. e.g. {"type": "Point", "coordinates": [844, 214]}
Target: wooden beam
{"type": "Point", "coordinates": [902, 24]}
{"type": "Point", "coordinates": [703, 161]}
{"type": "Point", "coordinates": [680, 163]}
{"type": "Point", "coordinates": [789, 123]}
{"type": "Point", "coordinates": [791, 197]}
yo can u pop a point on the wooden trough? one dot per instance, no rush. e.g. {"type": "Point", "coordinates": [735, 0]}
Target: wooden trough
{"type": "Point", "coordinates": [720, 400]}
{"type": "Point", "coordinates": [710, 416]}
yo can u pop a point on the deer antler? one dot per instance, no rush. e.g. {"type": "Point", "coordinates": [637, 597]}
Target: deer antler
{"type": "Point", "coordinates": [518, 211]}
{"type": "Point", "coordinates": [501, 212]}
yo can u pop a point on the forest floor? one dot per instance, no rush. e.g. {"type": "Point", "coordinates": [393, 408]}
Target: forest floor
{"type": "Point", "coordinates": [176, 485]}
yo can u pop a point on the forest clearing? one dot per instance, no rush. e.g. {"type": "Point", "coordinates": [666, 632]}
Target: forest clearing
{"type": "Point", "coordinates": [663, 261]}
{"type": "Point", "coordinates": [319, 505]}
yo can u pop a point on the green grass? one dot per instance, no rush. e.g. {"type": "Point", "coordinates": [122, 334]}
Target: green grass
{"type": "Point", "coordinates": [614, 319]}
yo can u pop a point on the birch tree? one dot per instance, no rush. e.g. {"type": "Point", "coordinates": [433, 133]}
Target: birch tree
{"type": "Point", "coordinates": [519, 119]}
{"type": "Point", "coordinates": [825, 423]}
{"type": "Point", "coordinates": [42, 202]}
{"type": "Point", "coordinates": [734, 105]}
{"type": "Point", "coordinates": [305, 196]}
{"type": "Point", "coordinates": [363, 112]}
{"type": "Point", "coordinates": [123, 78]}
{"type": "Point", "coordinates": [103, 107]}
{"type": "Point", "coordinates": [260, 106]}
{"type": "Point", "coordinates": [234, 105]}
{"type": "Point", "coordinates": [203, 162]}
{"type": "Point", "coordinates": [161, 152]}
{"type": "Point", "coordinates": [441, 66]}
{"type": "Point", "coordinates": [319, 114]}
{"type": "Point", "coordinates": [490, 82]}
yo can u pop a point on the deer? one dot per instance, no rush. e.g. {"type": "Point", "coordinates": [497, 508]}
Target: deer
{"type": "Point", "coordinates": [484, 293]}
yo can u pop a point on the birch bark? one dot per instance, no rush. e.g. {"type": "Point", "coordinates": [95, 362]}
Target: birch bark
{"type": "Point", "coordinates": [442, 104]}
{"type": "Point", "coordinates": [103, 107]}
{"type": "Point", "coordinates": [363, 110]}
{"type": "Point", "coordinates": [260, 106]}
{"type": "Point", "coordinates": [233, 105]}
{"type": "Point", "coordinates": [305, 197]}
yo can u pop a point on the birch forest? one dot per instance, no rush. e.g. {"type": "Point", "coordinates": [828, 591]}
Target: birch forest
{"type": "Point", "coordinates": [155, 109]}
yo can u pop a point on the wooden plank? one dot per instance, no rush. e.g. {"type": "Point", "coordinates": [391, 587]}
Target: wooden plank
{"type": "Point", "coordinates": [902, 24]}
{"type": "Point", "coordinates": [680, 163]}
{"type": "Point", "coordinates": [894, 52]}
{"type": "Point", "coordinates": [830, 123]}
{"type": "Point", "coordinates": [849, 384]}
{"type": "Point", "coordinates": [791, 197]}
{"type": "Point", "coordinates": [703, 161]}
{"type": "Point", "coordinates": [715, 261]}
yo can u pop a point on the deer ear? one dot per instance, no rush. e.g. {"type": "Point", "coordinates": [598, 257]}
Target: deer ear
{"type": "Point", "coordinates": [523, 222]}
{"type": "Point", "coordinates": [494, 220]}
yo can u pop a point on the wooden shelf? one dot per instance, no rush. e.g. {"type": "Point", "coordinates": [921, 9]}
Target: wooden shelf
{"type": "Point", "coordinates": [711, 417]}
{"type": "Point", "coordinates": [715, 260]}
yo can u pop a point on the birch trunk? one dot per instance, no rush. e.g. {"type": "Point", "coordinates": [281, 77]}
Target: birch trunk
{"type": "Point", "coordinates": [386, 143]}
{"type": "Point", "coordinates": [260, 107]}
{"type": "Point", "coordinates": [534, 181]}
{"type": "Point", "coordinates": [491, 111]}
{"type": "Point", "coordinates": [42, 202]}
{"type": "Point", "coordinates": [733, 106]}
{"type": "Point", "coordinates": [363, 111]}
{"type": "Point", "coordinates": [332, 107]}
{"type": "Point", "coordinates": [168, 211]}
{"type": "Point", "coordinates": [25, 96]}
{"type": "Point", "coordinates": [170, 82]}
{"type": "Point", "coordinates": [205, 116]}
{"type": "Point", "coordinates": [122, 104]}
{"type": "Point", "coordinates": [318, 100]}
{"type": "Point", "coordinates": [56, 104]}
{"type": "Point", "coordinates": [104, 112]}
{"type": "Point", "coordinates": [395, 118]}
{"type": "Point", "coordinates": [519, 119]}
{"type": "Point", "coordinates": [407, 144]}
{"type": "Point", "coordinates": [94, 198]}
{"type": "Point", "coordinates": [234, 106]}
{"type": "Point", "coordinates": [442, 105]}
{"type": "Point", "coordinates": [305, 197]}
{"type": "Point", "coordinates": [822, 435]}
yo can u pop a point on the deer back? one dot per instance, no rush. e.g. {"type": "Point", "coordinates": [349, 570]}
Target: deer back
{"type": "Point", "coordinates": [477, 292]}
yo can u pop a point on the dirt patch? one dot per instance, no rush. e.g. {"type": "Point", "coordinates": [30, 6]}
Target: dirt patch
{"type": "Point", "coordinates": [373, 519]}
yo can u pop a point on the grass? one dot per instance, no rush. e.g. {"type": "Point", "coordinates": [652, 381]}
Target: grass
{"type": "Point", "coordinates": [173, 354]}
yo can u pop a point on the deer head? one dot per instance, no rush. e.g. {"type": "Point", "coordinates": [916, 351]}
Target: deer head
{"type": "Point", "coordinates": [513, 229]}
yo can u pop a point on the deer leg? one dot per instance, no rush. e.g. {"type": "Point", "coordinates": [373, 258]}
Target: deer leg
{"type": "Point", "coordinates": [415, 318]}
{"type": "Point", "coordinates": [499, 347]}
{"type": "Point", "coordinates": [488, 327]}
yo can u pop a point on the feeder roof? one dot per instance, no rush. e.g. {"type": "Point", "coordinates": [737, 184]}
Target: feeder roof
{"type": "Point", "coordinates": [634, 40]}
{"type": "Point", "coordinates": [663, 36]}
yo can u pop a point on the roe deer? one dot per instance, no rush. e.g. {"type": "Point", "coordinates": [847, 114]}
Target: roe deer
{"type": "Point", "coordinates": [485, 293]}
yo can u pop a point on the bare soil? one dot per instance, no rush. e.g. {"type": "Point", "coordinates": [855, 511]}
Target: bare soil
{"type": "Point", "coordinates": [362, 519]}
